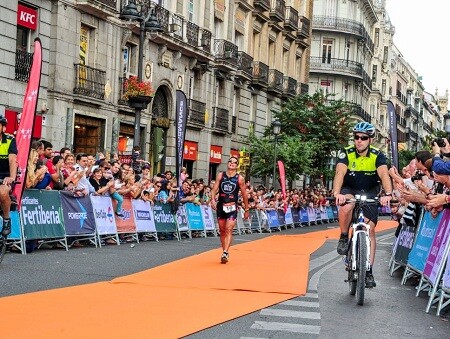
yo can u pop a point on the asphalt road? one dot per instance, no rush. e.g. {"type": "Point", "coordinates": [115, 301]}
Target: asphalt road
{"type": "Point", "coordinates": [390, 311]}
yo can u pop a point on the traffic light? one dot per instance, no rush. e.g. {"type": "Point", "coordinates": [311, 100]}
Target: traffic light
{"type": "Point", "coordinates": [158, 144]}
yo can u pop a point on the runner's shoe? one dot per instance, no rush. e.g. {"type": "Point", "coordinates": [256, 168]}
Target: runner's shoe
{"type": "Point", "coordinates": [224, 258]}
{"type": "Point", "coordinates": [342, 247]}
{"type": "Point", "coordinates": [6, 230]}
{"type": "Point", "coordinates": [370, 281]}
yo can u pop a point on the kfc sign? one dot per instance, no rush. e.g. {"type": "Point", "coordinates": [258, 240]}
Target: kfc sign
{"type": "Point", "coordinates": [27, 17]}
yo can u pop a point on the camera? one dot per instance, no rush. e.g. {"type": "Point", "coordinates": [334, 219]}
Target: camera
{"type": "Point", "coordinates": [417, 176]}
{"type": "Point", "coordinates": [439, 141]}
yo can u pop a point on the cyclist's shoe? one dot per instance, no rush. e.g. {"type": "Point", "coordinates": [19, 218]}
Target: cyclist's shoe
{"type": "Point", "coordinates": [224, 258]}
{"type": "Point", "coordinates": [6, 230]}
{"type": "Point", "coordinates": [370, 281]}
{"type": "Point", "coordinates": [342, 247]}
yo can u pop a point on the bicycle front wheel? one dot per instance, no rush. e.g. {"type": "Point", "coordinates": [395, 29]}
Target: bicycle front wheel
{"type": "Point", "coordinates": [2, 247]}
{"type": "Point", "coordinates": [361, 266]}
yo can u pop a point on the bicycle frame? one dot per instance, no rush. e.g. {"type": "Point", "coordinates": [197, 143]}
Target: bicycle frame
{"type": "Point", "coordinates": [359, 225]}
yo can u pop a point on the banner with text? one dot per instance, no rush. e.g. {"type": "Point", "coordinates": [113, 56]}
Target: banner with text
{"type": "Point", "coordinates": [77, 213]}
{"type": "Point", "coordinates": [105, 220]}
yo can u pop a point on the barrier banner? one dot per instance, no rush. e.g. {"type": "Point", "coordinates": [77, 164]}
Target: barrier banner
{"type": "Point", "coordinates": [280, 216]}
{"type": "Point", "coordinates": [143, 216]}
{"type": "Point", "coordinates": [194, 215]}
{"type": "Point", "coordinates": [311, 214]}
{"type": "Point", "coordinates": [288, 218]}
{"type": "Point", "coordinates": [335, 212]}
{"type": "Point", "coordinates": [318, 215]}
{"type": "Point", "coordinates": [295, 215]}
{"type": "Point", "coordinates": [41, 215]}
{"type": "Point", "coordinates": [208, 219]}
{"type": "Point", "coordinates": [323, 213]}
{"type": "Point", "coordinates": [404, 244]}
{"type": "Point", "coordinates": [103, 215]}
{"type": "Point", "coordinates": [126, 223]}
{"type": "Point", "coordinates": [304, 216]}
{"type": "Point", "coordinates": [272, 218]}
{"type": "Point", "coordinates": [424, 239]}
{"type": "Point", "coordinates": [330, 214]}
{"type": "Point", "coordinates": [164, 220]}
{"type": "Point", "coordinates": [182, 219]}
{"type": "Point", "coordinates": [77, 213]}
{"type": "Point", "coordinates": [446, 276]}
{"type": "Point", "coordinates": [438, 249]}
{"type": "Point", "coordinates": [16, 231]}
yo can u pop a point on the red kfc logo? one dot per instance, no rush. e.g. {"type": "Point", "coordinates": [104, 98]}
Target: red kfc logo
{"type": "Point", "coordinates": [27, 17]}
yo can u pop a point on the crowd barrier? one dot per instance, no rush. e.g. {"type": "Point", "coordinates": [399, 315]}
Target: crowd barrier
{"type": "Point", "coordinates": [423, 251]}
{"type": "Point", "coordinates": [59, 217]}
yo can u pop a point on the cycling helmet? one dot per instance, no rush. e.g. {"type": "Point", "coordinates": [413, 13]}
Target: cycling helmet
{"type": "Point", "coordinates": [3, 120]}
{"type": "Point", "coordinates": [364, 127]}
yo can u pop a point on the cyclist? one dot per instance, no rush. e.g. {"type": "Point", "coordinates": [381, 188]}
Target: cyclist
{"type": "Point", "coordinates": [358, 170]}
{"type": "Point", "coordinates": [8, 172]}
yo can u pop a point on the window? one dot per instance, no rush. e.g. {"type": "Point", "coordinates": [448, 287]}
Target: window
{"type": "Point", "coordinates": [126, 59]}
{"type": "Point", "coordinates": [383, 87]}
{"type": "Point", "coordinates": [84, 44]}
{"type": "Point", "coordinates": [286, 62]}
{"type": "Point", "coordinates": [385, 54]}
{"type": "Point", "coordinates": [23, 39]}
{"type": "Point", "coordinates": [377, 37]}
{"type": "Point", "coordinates": [191, 10]}
{"type": "Point", "coordinates": [327, 48]}
{"type": "Point", "coordinates": [374, 73]}
{"type": "Point", "coordinates": [326, 86]}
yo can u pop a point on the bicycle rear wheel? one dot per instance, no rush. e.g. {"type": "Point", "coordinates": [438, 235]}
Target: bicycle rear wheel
{"type": "Point", "coordinates": [361, 266]}
{"type": "Point", "coordinates": [2, 247]}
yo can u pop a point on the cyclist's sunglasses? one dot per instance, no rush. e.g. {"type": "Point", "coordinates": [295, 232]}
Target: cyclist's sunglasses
{"type": "Point", "coordinates": [362, 137]}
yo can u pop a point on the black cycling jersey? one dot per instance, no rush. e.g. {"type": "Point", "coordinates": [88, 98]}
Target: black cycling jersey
{"type": "Point", "coordinates": [229, 188]}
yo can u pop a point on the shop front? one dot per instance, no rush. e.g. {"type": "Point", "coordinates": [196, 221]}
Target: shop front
{"type": "Point", "coordinates": [215, 159]}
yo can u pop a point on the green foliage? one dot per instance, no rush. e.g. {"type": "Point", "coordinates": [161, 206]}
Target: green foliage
{"type": "Point", "coordinates": [404, 158]}
{"type": "Point", "coordinates": [311, 128]}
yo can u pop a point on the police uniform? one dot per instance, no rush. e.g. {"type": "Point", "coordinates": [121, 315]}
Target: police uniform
{"type": "Point", "coordinates": [7, 146]}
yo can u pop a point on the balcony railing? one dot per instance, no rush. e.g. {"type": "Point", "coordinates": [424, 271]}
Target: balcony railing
{"type": "Point", "coordinates": [366, 79]}
{"type": "Point", "coordinates": [302, 88]}
{"type": "Point", "coordinates": [428, 128]}
{"type": "Point", "coordinates": [401, 97]}
{"type": "Point", "coordinates": [220, 121]}
{"type": "Point", "coordinates": [23, 65]}
{"type": "Point", "coordinates": [226, 51]}
{"type": "Point", "coordinates": [291, 19]}
{"type": "Point", "coordinates": [304, 25]}
{"type": "Point", "coordinates": [277, 10]}
{"type": "Point", "coordinates": [192, 33]}
{"type": "Point", "coordinates": [275, 83]}
{"type": "Point", "coordinates": [245, 62]}
{"type": "Point", "coordinates": [260, 73]}
{"type": "Point", "coordinates": [205, 41]}
{"type": "Point", "coordinates": [334, 65]}
{"type": "Point", "coordinates": [196, 113]}
{"type": "Point", "coordinates": [289, 86]}
{"type": "Point", "coordinates": [262, 4]}
{"type": "Point", "coordinates": [89, 81]}
{"type": "Point", "coordinates": [411, 111]}
{"type": "Point", "coordinates": [359, 111]}
{"type": "Point", "coordinates": [412, 135]}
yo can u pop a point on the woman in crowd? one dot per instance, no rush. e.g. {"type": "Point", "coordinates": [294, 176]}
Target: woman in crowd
{"type": "Point", "coordinates": [108, 175]}
{"type": "Point", "coordinates": [36, 177]}
{"type": "Point", "coordinates": [101, 185]}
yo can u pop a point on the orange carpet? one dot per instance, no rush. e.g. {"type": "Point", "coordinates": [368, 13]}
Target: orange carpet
{"type": "Point", "coordinates": [172, 300]}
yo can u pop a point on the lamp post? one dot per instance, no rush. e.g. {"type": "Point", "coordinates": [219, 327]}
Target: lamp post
{"type": "Point", "coordinates": [276, 128]}
{"type": "Point", "coordinates": [147, 23]}
{"type": "Point", "coordinates": [447, 124]}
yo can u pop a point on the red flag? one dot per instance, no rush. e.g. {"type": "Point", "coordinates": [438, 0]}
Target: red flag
{"type": "Point", "coordinates": [282, 182]}
{"type": "Point", "coordinates": [25, 131]}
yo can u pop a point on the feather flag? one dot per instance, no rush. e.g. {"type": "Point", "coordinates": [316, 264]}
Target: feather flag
{"type": "Point", "coordinates": [282, 182]}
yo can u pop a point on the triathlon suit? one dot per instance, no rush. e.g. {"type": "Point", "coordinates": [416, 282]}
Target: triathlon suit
{"type": "Point", "coordinates": [228, 197]}
{"type": "Point", "coordinates": [362, 176]}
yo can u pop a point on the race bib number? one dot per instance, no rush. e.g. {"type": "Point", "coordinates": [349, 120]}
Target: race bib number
{"type": "Point", "coordinates": [229, 209]}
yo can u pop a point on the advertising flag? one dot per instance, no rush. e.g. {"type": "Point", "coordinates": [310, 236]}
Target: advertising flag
{"type": "Point", "coordinates": [25, 131]}
{"type": "Point", "coordinates": [282, 182]}
{"type": "Point", "coordinates": [180, 121]}
{"type": "Point", "coordinates": [393, 133]}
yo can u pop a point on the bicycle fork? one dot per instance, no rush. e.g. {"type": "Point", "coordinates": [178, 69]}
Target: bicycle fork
{"type": "Point", "coordinates": [359, 228]}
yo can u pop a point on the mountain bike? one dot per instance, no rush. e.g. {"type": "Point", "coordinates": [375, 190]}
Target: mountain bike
{"type": "Point", "coordinates": [358, 255]}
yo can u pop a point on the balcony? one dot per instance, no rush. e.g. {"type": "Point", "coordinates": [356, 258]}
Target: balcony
{"type": "Point", "coordinates": [260, 74]}
{"type": "Point", "coordinates": [23, 65]}
{"type": "Point", "coordinates": [226, 54]}
{"type": "Point", "coordinates": [275, 83]}
{"type": "Point", "coordinates": [291, 19]}
{"type": "Point", "coordinates": [277, 11]}
{"type": "Point", "coordinates": [333, 65]}
{"type": "Point", "coordinates": [410, 134]}
{"type": "Point", "coordinates": [220, 120]}
{"type": "Point", "coordinates": [289, 87]}
{"type": "Point", "coordinates": [196, 113]}
{"type": "Point", "coordinates": [410, 111]}
{"type": "Point", "coordinates": [401, 97]}
{"type": "Point", "coordinates": [89, 82]}
{"type": "Point", "coordinates": [263, 5]}
{"type": "Point", "coordinates": [302, 88]}
{"type": "Point", "coordinates": [428, 128]}
{"type": "Point", "coordinates": [98, 8]}
{"type": "Point", "coordinates": [192, 33]}
{"type": "Point", "coordinates": [245, 62]}
{"type": "Point", "coordinates": [359, 111]}
{"type": "Point", "coordinates": [304, 26]}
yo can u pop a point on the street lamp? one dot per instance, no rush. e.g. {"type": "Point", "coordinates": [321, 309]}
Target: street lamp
{"type": "Point", "coordinates": [148, 23]}
{"type": "Point", "coordinates": [276, 128]}
{"type": "Point", "coordinates": [447, 124]}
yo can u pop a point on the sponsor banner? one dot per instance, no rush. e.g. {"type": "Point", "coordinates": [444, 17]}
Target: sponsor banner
{"type": "Point", "coordinates": [254, 220]}
{"type": "Point", "coordinates": [164, 220]}
{"type": "Point", "coordinates": [330, 213]}
{"type": "Point", "coordinates": [280, 216]}
{"type": "Point", "coordinates": [15, 225]}
{"type": "Point", "coordinates": [182, 220]}
{"type": "Point", "coordinates": [126, 223]}
{"type": "Point", "coordinates": [323, 214]}
{"type": "Point", "coordinates": [103, 215]}
{"type": "Point", "coordinates": [77, 213]}
{"type": "Point", "coordinates": [318, 215]}
{"type": "Point", "coordinates": [288, 217]}
{"type": "Point", "coordinates": [180, 125]}
{"type": "Point", "coordinates": [446, 276]}
{"type": "Point", "coordinates": [304, 218]}
{"type": "Point", "coordinates": [424, 239]}
{"type": "Point", "coordinates": [404, 244]}
{"type": "Point", "coordinates": [41, 215]}
{"type": "Point", "coordinates": [311, 214]}
{"type": "Point", "coordinates": [272, 218]}
{"type": "Point", "coordinates": [436, 258]}
{"type": "Point", "coordinates": [392, 118]}
{"type": "Point", "coordinates": [194, 215]}
{"type": "Point", "coordinates": [143, 215]}
{"type": "Point", "coordinates": [295, 215]}
{"type": "Point", "coordinates": [335, 212]}
{"type": "Point", "coordinates": [208, 219]}
{"type": "Point", "coordinates": [282, 181]}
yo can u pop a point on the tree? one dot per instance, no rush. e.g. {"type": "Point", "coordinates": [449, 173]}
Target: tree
{"type": "Point", "coordinates": [312, 128]}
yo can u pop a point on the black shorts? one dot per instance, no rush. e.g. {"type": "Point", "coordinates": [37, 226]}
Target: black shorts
{"type": "Point", "coordinates": [370, 211]}
{"type": "Point", "coordinates": [221, 214]}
